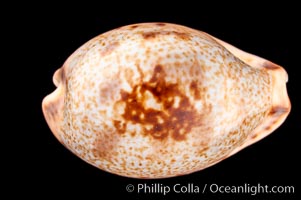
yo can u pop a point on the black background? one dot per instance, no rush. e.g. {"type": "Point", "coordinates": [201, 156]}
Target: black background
{"type": "Point", "coordinates": [50, 34]}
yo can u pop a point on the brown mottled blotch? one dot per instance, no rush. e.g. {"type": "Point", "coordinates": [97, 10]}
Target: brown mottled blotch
{"type": "Point", "coordinates": [170, 121]}
{"type": "Point", "coordinates": [134, 26]}
{"type": "Point", "coordinates": [160, 24]}
{"type": "Point", "coordinates": [121, 127]}
{"type": "Point", "coordinates": [153, 34]}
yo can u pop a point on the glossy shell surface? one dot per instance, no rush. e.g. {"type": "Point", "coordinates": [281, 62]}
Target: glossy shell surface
{"type": "Point", "coordinates": [157, 100]}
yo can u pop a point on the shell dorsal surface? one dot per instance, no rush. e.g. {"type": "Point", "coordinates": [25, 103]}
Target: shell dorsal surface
{"type": "Point", "coordinates": [157, 100]}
